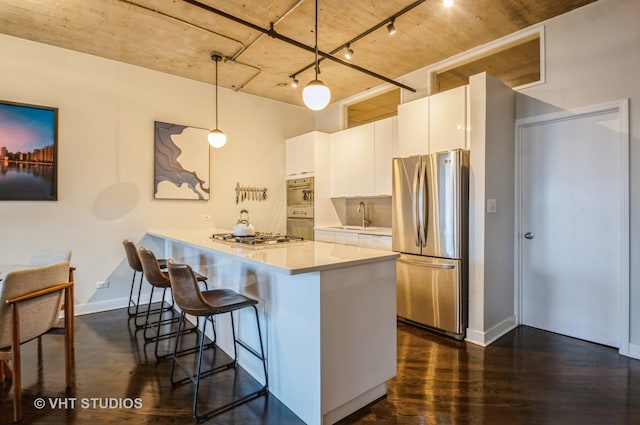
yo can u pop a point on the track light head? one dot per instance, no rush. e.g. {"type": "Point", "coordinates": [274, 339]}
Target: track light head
{"type": "Point", "coordinates": [391, 28]}
{"type": "Point", "coordinates": [348, 54]}
{"type": "Point", "coordinates": [294, 83]}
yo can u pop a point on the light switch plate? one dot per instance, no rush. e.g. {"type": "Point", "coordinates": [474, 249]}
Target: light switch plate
{"type": "Point", "coordinates": [491, 205]}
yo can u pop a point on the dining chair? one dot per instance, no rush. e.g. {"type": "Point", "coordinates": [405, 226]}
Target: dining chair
{"type": "Point", "coordinates": [206, 304]}
{"type": "Point", "coordinates": [50, 256]}
{"type": "Point", "coordinates": [47, 256]}
{"type": "Point", "coordinates": [29, 307]}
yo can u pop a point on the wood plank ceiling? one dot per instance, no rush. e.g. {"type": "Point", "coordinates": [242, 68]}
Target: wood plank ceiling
{"type": "Point", "coordinates": [176, 37]}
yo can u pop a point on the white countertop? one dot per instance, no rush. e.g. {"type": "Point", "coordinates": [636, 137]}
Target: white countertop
{"type": "Point", "coordinates": [382, 231]}
{"type": "Point", "coordinates": [289, 258]}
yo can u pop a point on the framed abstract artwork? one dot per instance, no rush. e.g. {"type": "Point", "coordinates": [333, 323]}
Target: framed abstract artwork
{"type": "Point", "coordinates": [28, 152]}
{"type": "Point", "coordinates": [181, 162]}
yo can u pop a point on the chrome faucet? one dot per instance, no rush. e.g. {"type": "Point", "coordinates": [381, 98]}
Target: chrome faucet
{"type": "Point", "coordinates": [362, 208]}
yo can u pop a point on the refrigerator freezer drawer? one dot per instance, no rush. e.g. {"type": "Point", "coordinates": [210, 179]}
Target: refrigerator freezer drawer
{"type": "Point", "coordinates": [429, 292]}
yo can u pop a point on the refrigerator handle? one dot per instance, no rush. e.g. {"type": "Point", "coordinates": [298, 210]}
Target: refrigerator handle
{"type": "Point", "coordinates": [423, 264]}
{"type": "Point", "coordinates": [415, 204]}
{"type": "Point", "coordinates": [423, 200]}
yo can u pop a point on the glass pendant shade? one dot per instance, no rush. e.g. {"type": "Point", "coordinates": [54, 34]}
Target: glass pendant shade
{"type": "Point", "coordinates": [217, 138]}
{"type": "Point", "coordinates": [316, 95]}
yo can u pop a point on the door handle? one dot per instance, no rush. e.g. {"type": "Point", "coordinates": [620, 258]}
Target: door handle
{"type": "Point", "coordinates": [528, 235]}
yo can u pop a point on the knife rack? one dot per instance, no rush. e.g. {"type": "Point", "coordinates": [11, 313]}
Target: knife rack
{"type": "Point", "coordinates": [250, 193]}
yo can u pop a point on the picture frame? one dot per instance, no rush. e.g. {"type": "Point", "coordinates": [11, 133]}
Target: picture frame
{"type": "Point", "coordinates": [181, 162]}
{"type": "Point", "coordinates": [28, 152]}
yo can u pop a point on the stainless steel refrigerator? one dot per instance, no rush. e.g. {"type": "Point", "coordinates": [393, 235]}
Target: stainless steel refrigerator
{"type": "Point", "coordinates": [429, 224]}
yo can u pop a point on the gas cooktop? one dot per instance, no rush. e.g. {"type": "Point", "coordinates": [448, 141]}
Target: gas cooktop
{"type": "Point", "coordinates": [259, 239]}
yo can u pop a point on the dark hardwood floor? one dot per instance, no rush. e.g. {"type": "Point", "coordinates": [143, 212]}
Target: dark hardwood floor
{"type": "Point", "coordinates": [527, 377]}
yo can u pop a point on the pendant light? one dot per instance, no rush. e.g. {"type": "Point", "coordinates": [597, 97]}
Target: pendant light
{"type": "Point", "coordinates": [316, 95]}
{"type": "Point", "coordinates": [216, 137]}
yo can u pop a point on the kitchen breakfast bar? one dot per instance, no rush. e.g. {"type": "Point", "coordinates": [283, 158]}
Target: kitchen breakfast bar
{"type": "Point", "coordinates": [328, 313]}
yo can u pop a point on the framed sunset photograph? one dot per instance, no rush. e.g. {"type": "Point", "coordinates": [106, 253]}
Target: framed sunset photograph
{"type": "Point", "coordinates": [28, 152]}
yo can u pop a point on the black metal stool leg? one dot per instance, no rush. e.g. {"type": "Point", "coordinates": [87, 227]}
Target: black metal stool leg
{"type": "Point", "coordinates": [251, 396]}
{"type": "Point", "coordinates": [199, 368]}
{"type": "Point", "coordinates": [137, 313]}
{"type": "Point", "coordinates": [262, 357]}
{"type": "Point", "coordinates": [131, 301]}
{"type": "Point", "coordinates": [158, 323]}
{"type": "Point", "coordinates": [175, 349]}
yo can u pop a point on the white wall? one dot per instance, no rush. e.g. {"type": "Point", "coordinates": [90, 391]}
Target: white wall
{"type": "Point", "coordinates": [593, 55]}
{"type": "Point", "coordinates": [105, 176]}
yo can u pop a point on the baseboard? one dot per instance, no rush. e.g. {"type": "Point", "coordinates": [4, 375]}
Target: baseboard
{"type": "Point", "coordinates": [487, 337]}
{"type": "Point", "coordinates": [114, 304]}
{"type": "Point", "coordinates": [634, 351]}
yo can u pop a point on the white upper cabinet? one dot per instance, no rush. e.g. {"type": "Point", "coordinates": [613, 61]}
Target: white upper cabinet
{"type": "Point", "coordinates": [413, 128]}
{"type": "Point", "coordinates": [448, 120]}
{"type": "Point", "coordinates": [385, 146]}
{"type": "Point", "coordinates": [300, 155]}
{"type": "Point", "coordinates": [361, 159]}
{"type": "Point", "coordinates": [339, 173]}
{"type": "Point", "coordinates": [433, 124]}
{"type": "Point", "coordinates": [352, 161]}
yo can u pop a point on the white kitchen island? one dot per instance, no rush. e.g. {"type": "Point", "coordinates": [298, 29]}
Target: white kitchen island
{"type": "Point", "coordinates": [328, 313]}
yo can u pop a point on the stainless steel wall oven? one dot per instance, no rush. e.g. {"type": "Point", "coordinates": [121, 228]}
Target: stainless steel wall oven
{"type": "Point", "coordinates": [300, 208]}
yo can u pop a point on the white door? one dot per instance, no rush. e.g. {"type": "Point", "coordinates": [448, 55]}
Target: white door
{"type": "Point", "coordinates": [573, 200]}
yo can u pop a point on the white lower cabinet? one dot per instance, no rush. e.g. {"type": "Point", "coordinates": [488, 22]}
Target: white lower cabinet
{"type": "Point", "coordinates": [346, 238]}
{"type": "Point", "coordinates": [324, 236]}
{"type": "Point", "coordinates": [375, 241]}
{"type": "Point", "coordinates": [363, 240]}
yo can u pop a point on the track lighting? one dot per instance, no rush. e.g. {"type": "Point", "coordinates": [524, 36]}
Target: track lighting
{"type": "Point", "coordinates": [348, 52]}
{"type": "Point", "coordinates": [294, 83]}
{"type": "Point", "coordinates": [391, 28]}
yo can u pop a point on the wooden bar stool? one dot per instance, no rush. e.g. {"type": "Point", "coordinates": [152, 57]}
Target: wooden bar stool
{"type": "Point", "coordinates": [206, 304]}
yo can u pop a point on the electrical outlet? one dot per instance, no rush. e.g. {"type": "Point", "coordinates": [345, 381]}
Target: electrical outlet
{"type": "Point", "coordinates": [206, 217]}
{"type": "Point", "coordinates": [102, 285]}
